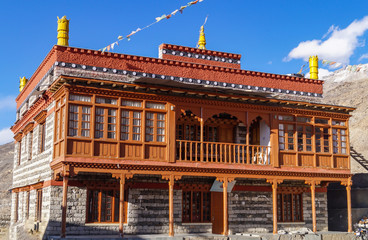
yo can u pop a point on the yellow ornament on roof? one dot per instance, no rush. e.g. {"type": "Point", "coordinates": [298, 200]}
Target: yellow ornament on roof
{"type": "Point", "coordinates": [202, 39]}
{"type": "Point", "coordinates": [63, 31]}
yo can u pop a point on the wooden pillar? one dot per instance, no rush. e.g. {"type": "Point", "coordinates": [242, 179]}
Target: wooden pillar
{"type": "Point", "coordinates": [274, 183]}
{"type": "Point", "coordinates": [171, 179]}
{"type": "Point", "coordinates": [313, 184]}
{"type": "Point", "coordinates": [121, 206]}
{"type": "Point", "coordinates": [201, 137]}
{"type": "Point", "coordinates": [225, 185]}
{"type": "Point", "coordinates": [64, 206]}
{"type": "Point", "coordinates": [348, 195]}
{"type": "Point", "coordinates": [122, 177]}
{"type": "Point", "coordinates": [313, 195]}
{"type": "Point", "coordinates": [171, 207]}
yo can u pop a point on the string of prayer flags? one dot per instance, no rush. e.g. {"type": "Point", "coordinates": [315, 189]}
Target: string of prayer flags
{"type": "Point", "coordinates": [158, 19]}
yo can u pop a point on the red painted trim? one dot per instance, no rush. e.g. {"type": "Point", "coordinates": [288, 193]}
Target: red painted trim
{"type": "Point", "coordinates": [168, 67]}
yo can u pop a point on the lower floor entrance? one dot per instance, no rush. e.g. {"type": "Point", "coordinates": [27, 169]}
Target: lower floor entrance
{"type": "Point", "coordinates": [217, 215]}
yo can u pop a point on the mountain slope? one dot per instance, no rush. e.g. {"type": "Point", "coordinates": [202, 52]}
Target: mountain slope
{"type": "Point", "coordinates": [6, 175]}
{"type": "Point", "coordinates": [348, 88]}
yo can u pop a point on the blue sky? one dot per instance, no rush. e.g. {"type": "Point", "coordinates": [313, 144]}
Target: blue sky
{"type": "Point", "coordinates": [272, 36]}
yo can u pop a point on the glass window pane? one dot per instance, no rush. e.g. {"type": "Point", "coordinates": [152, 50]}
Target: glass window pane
{"type": "Point", "coordinates": [130, 103]}
{"type": "Point", "coordinates": [155, 105]}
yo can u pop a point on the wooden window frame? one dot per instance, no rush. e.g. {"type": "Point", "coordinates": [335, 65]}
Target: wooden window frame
{"type": "Point", "coordinates": [281, 207]}
{"type": "Point", "coordinates": [337, 141]}
{"type": "Point", "coordinates": [322, 138]}
{"type": "Point", "coordinates": [303, 147]}
{"type": "Point", "coordinates": [154, 126]}
{"type": "Point", "coordinates": [115, 199]}
{"type": "Point", "coordinates": [105, 130]}
{"type": "Point", "coordinates": [201, 207]}
{"type": "Point", "coordinates": [287, 136]}
{"type": "Point", "coordinates": [130, 125]}
{"type": "Point", "coordinates": [79, 121]}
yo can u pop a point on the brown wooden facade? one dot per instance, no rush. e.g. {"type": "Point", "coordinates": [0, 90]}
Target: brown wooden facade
{"type": "Point", "coordinates": [196, 137]}
{"type": "Point", "coordinates": [126, 129]}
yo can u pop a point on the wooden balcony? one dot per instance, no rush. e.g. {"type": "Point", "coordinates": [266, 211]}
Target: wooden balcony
{"type": "Point", "coordinates": [216, 152]}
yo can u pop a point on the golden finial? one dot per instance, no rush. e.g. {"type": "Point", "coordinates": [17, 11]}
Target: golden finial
{"type": "Point", "coordinates": [63, 31]}
{"type": "Point", "coordinates": [202, 40]}
{"type": "Point", "coordinates": [313, 67]}
{"type": "Point", "coordinates": [23, 82]}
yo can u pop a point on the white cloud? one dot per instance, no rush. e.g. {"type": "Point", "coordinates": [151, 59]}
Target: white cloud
{"type": "Point", "coordinates": [338, 47]}
{"type": "Point", "coordinates": [7, 102]}
{"type": "Point", "coordinates": [364, 56]}
{"type": "Point", "coordinates": [269, 62]}
{"type": "Point", "coordinates": [321, 73]}
{"type": "Point", "coordinates": [6, 136]}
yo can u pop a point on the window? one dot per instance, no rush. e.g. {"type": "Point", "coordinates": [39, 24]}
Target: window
{"type": "Point", "coordinates": [30, 145]}
{"type": "Point", "coordinates": [304, 134]}
{"type": "Point", "coordinates": [38, 205]}
{"type": "Point", "coordinates": [81, 98]}
{"type": "Point", "coordinates": [338, 123]}
{"type": "Point", "coordinates": [106, 100]}
{"type": "Point", "coordinates": [286, 118]}
{"type": "Point", "coordinates": [130, 125]}
{"type": "Point", "coordinates": [105, 120]}
{"type": "Point", "coordinates": [289, 207]}
{"type": "Point", "coordinates": [79, 121]}
{"type": "Point", "coordinates": [27, 204]}
{"type": "Point", "coordinates": [155, 105]}
{"type": "Point", "coordinates": [286, 136]}
{"type": "Point", "coordinates": [322, 139]}
{"type": "Point", "coordinates": [19, 152]}
{"type": "Point", "coordinates": [131, 103]}
{"type": "Point", "coordinates": [42, 137]}
{"type": "Point", "coordinates": [196, 206]}
{"type": "Point", "coordinates": [155, 127]}
{"type": "Point", "coordinates": [16, 207]}
{"type": "Point", "coordinates": [103, 205]}
{"type": "Point", "coordinates": [339, 141]}
{"type": "Point", "coordinates": [321, 121]}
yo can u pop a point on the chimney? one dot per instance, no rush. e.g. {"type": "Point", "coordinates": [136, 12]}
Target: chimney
{"type": "Point", "coordinates": [313, 67]}
{"type": "Point", "coordinates": [63, 31]}
{"type": "Point", "coordinates": [23, 82]}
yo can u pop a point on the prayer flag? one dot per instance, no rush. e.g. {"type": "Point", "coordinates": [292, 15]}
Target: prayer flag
{"type": "Point", "coordinates": [173, 13]}
{"type": "Point", "coordinates": [168, 16]}
{"type": "Point", "coordinates": [182, 8]}
{"type": "Point", "coordinates": [332, 63]}
{"type": "Point", "coordinates": [160, 18]}
{"type": "Point", "coordinates": [120, 37]}
{"type": "Point", "coordinates": [108, 48]}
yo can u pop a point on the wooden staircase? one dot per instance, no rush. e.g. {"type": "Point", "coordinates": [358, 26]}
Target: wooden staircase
{"type": "Point", "coordinates": [359, 158]}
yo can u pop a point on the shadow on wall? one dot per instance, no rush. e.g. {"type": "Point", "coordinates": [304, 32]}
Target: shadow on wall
{"type": "Point", "coordinates": [337, 203]}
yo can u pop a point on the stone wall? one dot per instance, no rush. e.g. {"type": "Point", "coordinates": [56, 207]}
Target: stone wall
{"type": "Point", "coordinates": [148, 213]}
{"type": "Point", "coordinates": [34, 167]}
{"type": "Point", "coordinates": [252, 212]}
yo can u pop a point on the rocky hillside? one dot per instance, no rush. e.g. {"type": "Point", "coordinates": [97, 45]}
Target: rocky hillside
{"type": "Point", "coordinates": [6, 174]}
{"type": "Point", "coordinates": [347, 88]}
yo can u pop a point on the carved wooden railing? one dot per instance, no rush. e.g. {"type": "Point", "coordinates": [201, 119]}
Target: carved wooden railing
{"type": "Point", "coordinates": [216, 152]}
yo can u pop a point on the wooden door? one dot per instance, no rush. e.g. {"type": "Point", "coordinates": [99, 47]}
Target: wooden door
{"type": "Point", "coordinates": [217, 214]}
{"type": "Point", "coordinates": [226, 133]}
